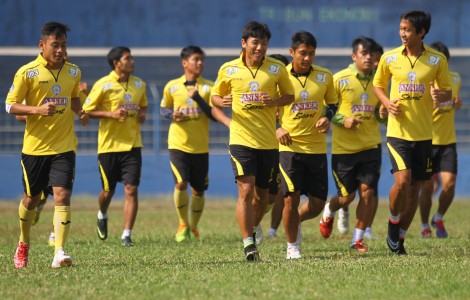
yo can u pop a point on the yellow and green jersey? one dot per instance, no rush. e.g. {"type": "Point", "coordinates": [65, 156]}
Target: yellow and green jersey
{"type": "Point", "coordinates": [108, 94]}
{"type": "Point", "coordinates": [253, 125]}
{"type": "Point", "coordinates": [410, 83]}
{"type": "Point", "coordinates": [36, 85]}
{"type": "Point", "coordinates": [444, 116]}
{"type": "Point", "coordinates": [312, 93]}
{"type": "Point", "coordinates": [192, 134]}
{"type": "Point", "coordinates": [355, 99]}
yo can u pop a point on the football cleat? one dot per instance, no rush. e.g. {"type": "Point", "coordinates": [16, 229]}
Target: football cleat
{"type": "Point", "coordinates": [293, 253]}
{"type": "Point", "coordinates": [393, 237]}
{"type": "Point", "coordinates": [251, 253]}
{"type": "Point", "coordinates": [194, 234]}
{"type": "Point", "coordinates": [326, 226]}
{"type": "Point", "coordinates": [21, 255]}
{"type": "Point", "coordinates": [102, 229]}
{"type": "Point", "coordinates": [61, 259]}
{"type": "Point", "coordinates": [359, 246]}
{"type": "Point", "coordinates": [182, 234]}
{"type": "Point", "coordinates": [426, 233]}
{"type": "Point", "coordinates": [127, 242]}
{"type": "Point", "coordinates": [440, 229]}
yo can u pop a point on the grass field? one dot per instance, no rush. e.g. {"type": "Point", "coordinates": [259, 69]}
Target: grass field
{"type": "Point", "coordinates": [158, 268]}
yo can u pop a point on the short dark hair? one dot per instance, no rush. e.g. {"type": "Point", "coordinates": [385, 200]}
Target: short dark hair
{"type": "Point", "coordinates": [116, 54]}
{"type": "Point", "coordinates": [367, 43]}
{"type": "Point", "coordinates": [419, 18]}
{"type": "Point", "coordinates": [281, 58]}
{"type": "Point", "coordinates": [190, 50]}
{"type": "Point", "coordinates": [303, 37]}
{"type": "Point", "coordinates": [441, 47]}
{"type": "Point", "coordinates": [256, 30]}
{"type": "Point", "coordinates": [56, 28]}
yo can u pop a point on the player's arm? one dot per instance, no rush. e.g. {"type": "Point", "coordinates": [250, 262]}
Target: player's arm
{"type": "Point", "coordinates": [392, 106]}
{"type": "Point", "coordinates": [142, 114]}
{"type": "Point", "coordinates": [45, 110]}
{"type": "Point", "coordinates": [220, 116]}
{"type": "Point", "coordinates": [206, 109]}
{"type": "Point", "coordinates": [76, 106]}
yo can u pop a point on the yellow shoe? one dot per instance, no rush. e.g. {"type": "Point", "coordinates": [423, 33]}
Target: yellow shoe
{"type": "Point", "coordinates": [182, 234]}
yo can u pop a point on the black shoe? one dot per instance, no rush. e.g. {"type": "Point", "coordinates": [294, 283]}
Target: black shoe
{"type": "Point", "coordinates": [127, 242]}
{"type": "Point", "coordinates": [401, 250]}
{"type": "Point", "coordinates": [102, 229]}
{"type": "Point", "coordinates": [393, 237]}
{"type": "Point", "coordinates": [251, 253]}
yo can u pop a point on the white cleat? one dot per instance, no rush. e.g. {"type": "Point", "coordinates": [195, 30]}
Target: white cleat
{"type": "Point", "coordinates": [293, 253]}
{"type": "Point", "coordinates": [343, 221]}
{"type": "Point", "coordinates": [61, 259]}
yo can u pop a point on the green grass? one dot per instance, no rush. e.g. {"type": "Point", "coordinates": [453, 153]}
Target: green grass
{"type": "Point", "coordinates": [158, 268]}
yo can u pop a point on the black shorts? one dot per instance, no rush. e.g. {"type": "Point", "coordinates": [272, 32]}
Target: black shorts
{"type": "Point", "coordinates": [43, 171]}
{"type": "Point", "coordinates": [193, 168]}
{"type": "Point", "coordinates": [248, 161]}
{"type": "Point", "coordinates": [444, 158]}
{"type": "Point", "coordinates": [307, 173]}
{"type": "Point", "coordinates": [122, 167]}
{"type": "Point", "coordinates": [410, 155]}
{"type": "Point", "coordinates": [376, 187]}
{"type": "Point", "coordinates": [351, 169]}
{"type": "Point", "coordinates": [274, 185]}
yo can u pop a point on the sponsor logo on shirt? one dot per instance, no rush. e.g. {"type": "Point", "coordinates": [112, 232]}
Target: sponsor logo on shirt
{"type": "Point", "coordinates": [107, 86]}
{"type": "Point", "coordinates": [320, 77]}
{"type": "Point", "coordinates": [32, 73]}
{"type": "Point", "coordinates": [362, 108]}
{"type": "Point", "coordinates": [206, 88]}
{"type": "Point", "coordinates": [138, 84]}
{"type": "Point", "coordinates": [411, 88]}
{"type": "Point", "coordinates": [251, 98]}
{"type": "Point", "coordinates": [58, 101]}
{"type": "Point", "coordinates": [190, 111]}
{"type": "Point", "coordinates": [303, 106]}
{"type": "Point", "coordinates": [433, 60]}
{"type": "Point", "coordinates": [129, 106]}
{"type": "Point", "coordinates": [73, 72]}
{"type": "Point", "coordinates": [173, 88]}
{"type": "Point", "coordinates": [231, 70]}
{"type": "Point", "coordinates": [273, 69]}
{"type": "Point", "coordinates": [390, 59]}
{"type": "Point", "coordinates": [343, 82]}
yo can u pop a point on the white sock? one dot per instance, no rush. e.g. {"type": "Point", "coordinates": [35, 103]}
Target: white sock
{"type": "Point", "coordinates": [394, 219]}
{"type": "Point", "coordinates": [368, 230]}
{"type": "Point", "coordinates": [291, 245]}
{"type": "Point", "coordinates": [327, 211]}
{"type": "Point", "coordinates": [437, 217]}
{"type": "Point", "coordinates": [402, 233]}
{"type": "Point", "coordinates": [52, 236]}
{"type": "Point", "coordinates": [247, 241]}
{"type": "Point", "coordinates": [272, 231]}
{"type": "Point", "coordinates": [358, 234]}
{"type": "Point", "coordinates": [126, 232]}
{"type": "Point", "coordinates": [101, 215]}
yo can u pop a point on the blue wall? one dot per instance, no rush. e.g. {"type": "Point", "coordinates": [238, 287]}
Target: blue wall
{"type": "Point", "coordinates": [217, 23]}
{"type": "Point", "coordinates": [157, 178]}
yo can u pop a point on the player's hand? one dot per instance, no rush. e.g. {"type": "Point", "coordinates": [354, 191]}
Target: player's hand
{"type": "Point", "coordinates": [193, 91]}
{"type": "Point", "coordinates": [120, 114]}
{"type": "Point", "coordinates": [227, 101]}
{"type": "Point", "coordinates": [383, 112]}
{"type": "Point", "coordinates": [323, 125]}
{"type": "Point", "coordinates": [351, 123]}
{"type": "Point", "coordinates": [83, 117]}
{"type": "Point", "coordinates": [83, 87]}
{"type": "Point", "coordinates": [179, 116]}
{"type": "Point", "coordinates": [47, 109]}
{"type": "Point", "coordinates": [141, 115]}
{"type": "Point", "coordinates": [457, 102]}
{"type": "Point", "coordinates": [266, 99]}
{"type": "Point", "coordinates": [283, 137]}
{"type": "Point", "coordinates": [394, 108]}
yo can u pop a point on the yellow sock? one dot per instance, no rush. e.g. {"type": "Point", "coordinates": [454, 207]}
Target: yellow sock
{"type": "Point", "coordinates": [181, 199]}
{"type": "Point", "coordinates": [197, 207]}
{"type": "Point", "coordinates": [26, 220]}
{"type": "Point", "coordinates": [62, 220]}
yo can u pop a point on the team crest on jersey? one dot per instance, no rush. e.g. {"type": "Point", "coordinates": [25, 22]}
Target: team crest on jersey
{"type": "Point", "coordinates": [320, 77]}
{"type": "Point", "coordinates": [303, 95]}
{"type": "Point", "coordinates": [364, 97]}
{"type": "Point", "coordinates": [232, 70]}
{"type": "Point", "coordinates": [254, 86]}
{"type": "Point", "coordinates": [12, 88]}
{"type": "Point", "coordinates": [433, 60]}
{"type": "Point", "coordinates": [33, 73]}
{"type": "Point", "coordinates": [273, 69]}
{"type": "Point", "coordinates": [343, 82]}
{"type": "Point", "coordinates": [56, 89]}
{"type": "Point", "coordinates": [412, 76]}
{"type": "Point", "coordinates": [173, 88]}
{"type": "Point", "coordinates": [107, 86]}
{"type": "Point", "coordinates": [73, 72]}
{"type": "Point", "coordinates": [390, 59]}
{"type": "Point", "coordinates": [138, 84]}
{"type": "Point", "coordinates": [206, 88]}
{"type": "Point", "coordinates": [189, 102]}
{"type": "Point", "coordinates": [127, 97]}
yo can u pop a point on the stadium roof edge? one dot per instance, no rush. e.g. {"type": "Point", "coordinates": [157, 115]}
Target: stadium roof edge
{"type": "Point", "coordinates": [173, 51]}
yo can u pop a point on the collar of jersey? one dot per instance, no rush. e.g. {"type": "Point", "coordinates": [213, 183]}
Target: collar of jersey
{"type": "Point", "coordinates": [359, 75]}
{"type": "Point", "coordinates": [41, 60]}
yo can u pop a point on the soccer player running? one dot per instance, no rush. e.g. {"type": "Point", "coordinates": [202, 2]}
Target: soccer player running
{"type": "Point", "coordinates": [119, 100]}
{"type": "Point", "coordinates": [412, 67]}
{"type": "Point", "coordinates": [49, 86]}
{"type": "Point", "coordinates": [355, 156]}
{"type": "Point", "coordinates": [185, 102]}
{"type": "Point", "coordinates": [444, 156]}
{"type": "Point", "coordinates": [250, 85]}
{"type": "Point", "coordinates": [302, 140]}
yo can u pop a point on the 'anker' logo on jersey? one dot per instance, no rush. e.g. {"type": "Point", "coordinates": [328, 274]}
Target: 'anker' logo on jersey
{"type": "Point", "coordinates": [189, 102]}
{"type": "Point", "coordinates": [254, 86]}
{"type": "Point", "coordinates": [73, 72]}
{"type": "Point", "coordinates": [364, 97]}
{"type": "Point", "coordinates": [127, 97]}
{"type": "Point", "coordinates": [274, 69]}
{"type": "Point", "coordinates": [320, 78]}
{"type": "Point", "coordinates": [412, 76]}
{"type": "Point", "coordinates": [232, 70]}
{"type": "Point", "coordinates": [56, 89]}
{"type": "Point", "coordinates": [433, 60]}
{"type": "Point", "coordinates": [303, 95]}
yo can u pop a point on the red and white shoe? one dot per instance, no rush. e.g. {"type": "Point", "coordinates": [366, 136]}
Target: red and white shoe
{"type": "Point", "coordinates": [21, 255]}
{"type": "Point", "coordinates": [359, 246]}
